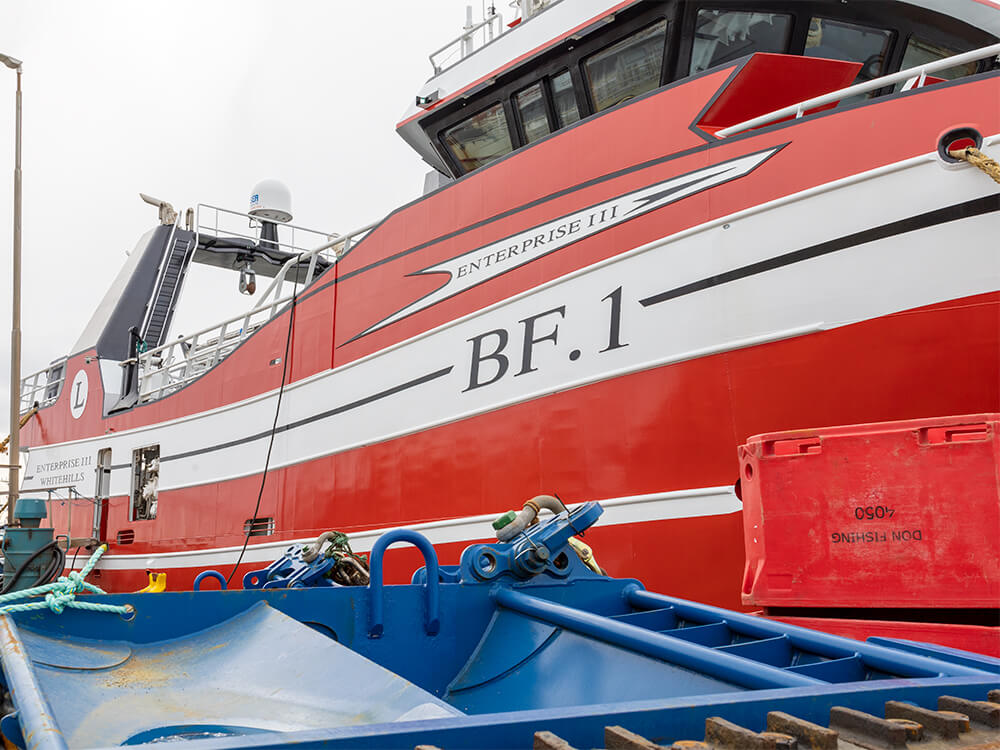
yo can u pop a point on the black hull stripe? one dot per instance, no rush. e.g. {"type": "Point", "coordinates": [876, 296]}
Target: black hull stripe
{"type": "Point", "coordinates": [313, 418]}
{"type": "Point", "coordinates": [969, 209]}
{"type": "Point", "coordinates": [965, 210]}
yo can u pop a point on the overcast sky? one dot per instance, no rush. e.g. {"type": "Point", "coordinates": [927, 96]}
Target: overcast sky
{"type": "Point", "coordinates": [194, 101]}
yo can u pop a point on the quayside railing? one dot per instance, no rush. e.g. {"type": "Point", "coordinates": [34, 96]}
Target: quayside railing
{"type": "Point", "coordinates": [912, 78]}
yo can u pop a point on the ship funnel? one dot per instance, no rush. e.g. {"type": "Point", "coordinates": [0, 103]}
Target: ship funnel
{"type": "Point", "coordinates": [271, 200]}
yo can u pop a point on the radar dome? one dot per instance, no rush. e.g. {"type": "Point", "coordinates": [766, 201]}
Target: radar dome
{"type": "Point", "coordinates": [271, 200]}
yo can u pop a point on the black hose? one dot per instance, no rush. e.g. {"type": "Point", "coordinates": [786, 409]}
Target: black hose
{"type": "Point", "coordinates": [274, 429]}
{"type": "Point", "coordinates": [55, 567]}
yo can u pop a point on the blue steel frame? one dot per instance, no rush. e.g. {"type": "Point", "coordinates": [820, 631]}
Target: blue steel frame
{"type": "Point", "coordinates": [427, 632]}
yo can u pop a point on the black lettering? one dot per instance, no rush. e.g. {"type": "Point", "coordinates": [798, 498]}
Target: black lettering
{"type": "Point", "coordinates": [530, 340]}
{"type": "Point", "coordinates": [462, 270]}
{"type": "Point", "coordinates": [918, 535]}
{"type": "Point", "coordinates": [77, 403]}
{"type": "Point", "coordinates": [615, 329]}
{"type": "Point", "coordinates": [574, 226]}
{"type": "Point", "coordinates": [477, 356]}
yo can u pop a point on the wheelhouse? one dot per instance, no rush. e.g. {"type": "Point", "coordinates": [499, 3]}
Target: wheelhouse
{"type": "Point", "coordinates": [635, 49]}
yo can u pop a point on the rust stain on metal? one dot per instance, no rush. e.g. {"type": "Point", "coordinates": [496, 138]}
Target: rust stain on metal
{"type": "Point", "coordinates": [12, 643]}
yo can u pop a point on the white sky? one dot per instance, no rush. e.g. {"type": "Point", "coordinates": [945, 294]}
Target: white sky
{"type": "Point", "coordinates": [195, 101]}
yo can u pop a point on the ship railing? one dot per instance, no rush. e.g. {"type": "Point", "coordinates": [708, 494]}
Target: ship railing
{"type": "Point", "coordinates": [173, 365]}
{"type": "Point", "coordinates": [43, 387]}
{"type": "Point", "coordinates": [224, 222]}
{"type": "Point", "coordinates": [473, 37]}
{"type": "Point", "coordinates": [73, 497]}
{"type": "Point", "coordinates": [914, 77]}
{"type": "Point", "coordinates": [331, 251]}
{"type": "Point", "coordinates": [476, 36]}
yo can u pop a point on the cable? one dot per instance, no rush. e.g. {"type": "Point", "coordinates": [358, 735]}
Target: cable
{"type": "Point", "coordinates": [270, 443]}
{"type": "Point", "coordinates": [55, 567]}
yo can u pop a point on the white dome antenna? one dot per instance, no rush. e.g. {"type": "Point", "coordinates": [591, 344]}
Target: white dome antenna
{"type": "Point", "coordinates": [271, 200]}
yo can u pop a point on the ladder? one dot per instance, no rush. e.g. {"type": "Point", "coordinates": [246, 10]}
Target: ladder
{"type": "Point", "coordinates": [161, 307]}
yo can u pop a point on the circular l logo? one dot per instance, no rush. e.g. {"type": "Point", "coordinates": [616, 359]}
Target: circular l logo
{"type": "Point", "coordinates": [78, 394]}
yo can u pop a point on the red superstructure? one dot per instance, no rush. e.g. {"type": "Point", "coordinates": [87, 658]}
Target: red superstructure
{"type": "Point", "coordinates": [603, 311]}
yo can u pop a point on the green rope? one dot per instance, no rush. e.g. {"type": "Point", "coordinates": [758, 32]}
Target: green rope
{"type": "Point", "coordinates": [62, 593]}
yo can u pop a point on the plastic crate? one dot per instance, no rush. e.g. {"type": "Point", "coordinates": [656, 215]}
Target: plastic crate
{"type": "Point", "coordinates": [886, 515]}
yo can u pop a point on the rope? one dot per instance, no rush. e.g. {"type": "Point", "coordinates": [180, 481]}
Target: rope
{"type": "Point", "coordinates": [62, 593]}
{"type": "Point", "coordinates": [979, 160]}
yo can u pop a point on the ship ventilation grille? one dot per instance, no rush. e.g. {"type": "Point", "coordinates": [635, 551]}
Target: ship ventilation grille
{"type": "Point", "coordinates": [126, 536]}
{"type": "Point", "coordinates": [258, 526]}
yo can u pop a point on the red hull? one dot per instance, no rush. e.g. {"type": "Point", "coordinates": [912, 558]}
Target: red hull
{"type": "Point", "coordinates": [485, 471]}
{"type": "Point", "coordinates": [649, 429]}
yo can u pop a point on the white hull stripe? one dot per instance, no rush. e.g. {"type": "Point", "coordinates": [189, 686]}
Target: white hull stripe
{"type": "Point", "coordinates": [481, 264]}
{"type": "Point", "coordinates": [630, 313]}
{"type": "Point", "coordinates": [661, 506]}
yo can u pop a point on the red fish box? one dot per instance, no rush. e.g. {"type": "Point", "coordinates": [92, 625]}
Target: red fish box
{"type": "Point", "coordinates": [890, 514]}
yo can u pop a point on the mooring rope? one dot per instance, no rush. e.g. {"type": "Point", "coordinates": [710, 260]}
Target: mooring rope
{"type": "Point", "coordinates": [62, 592]}
{"type": "Point", "coordinates": [979, 160]}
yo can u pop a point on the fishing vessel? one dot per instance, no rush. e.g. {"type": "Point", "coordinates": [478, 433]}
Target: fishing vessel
{"type": "Point", "coordinates": [650, 230]}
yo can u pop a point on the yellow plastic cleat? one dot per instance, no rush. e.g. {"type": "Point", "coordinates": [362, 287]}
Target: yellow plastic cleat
{"type": "Point", "coordinates": [157, 583]}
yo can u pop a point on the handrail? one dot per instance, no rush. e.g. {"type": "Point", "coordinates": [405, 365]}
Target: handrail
{"type": "Point", "coordinates": [170, 366]}
{"type": "Point", "coordinates": [255, 222]}
{"type": "Point", "coordinates": [346, 241]}
{"type": "Point", "coordinates": [38, 381]}
{"type": "Point", "coordinates": [432, 620]}
{"type": "Point", "coordinates": [466, 41]}
{"type": "Point", "coordinates": [196, 586]}
{"type": "Point", "coordinates": [919, 71]}
{"type": "Point", "coordinates": [160, 274]}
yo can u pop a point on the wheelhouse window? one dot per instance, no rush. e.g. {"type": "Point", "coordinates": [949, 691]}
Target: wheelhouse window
{"type": "Point", "coordinates": [564, 99]}
{"type": "Point", "coordinates": [840, 40]}
{"type": "Point", "coordinates": [530, 105]}
{"type": "Point", "coordinates": [479, 139]}
{"type": "Point", "coordinates": [920, 52]}
{"type": "Point", "coordinates": [627, 68]}
{"type": "Point", "coordinates": [724, 35]}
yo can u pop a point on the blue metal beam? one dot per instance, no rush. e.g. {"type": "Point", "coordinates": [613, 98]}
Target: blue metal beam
{"type": "Point", "coordinates": [34, 713]}
{"type": "Point", "coordinates": [727, 667]}
{"type": "Point", "coordinates": [878, 657]}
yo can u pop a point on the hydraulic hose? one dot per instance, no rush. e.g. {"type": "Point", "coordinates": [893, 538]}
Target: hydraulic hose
{"type": "Point", "coordinates": [50, 573]}
{"type": "Point", "coordinates": [528, 514]}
